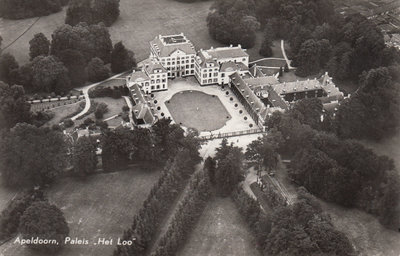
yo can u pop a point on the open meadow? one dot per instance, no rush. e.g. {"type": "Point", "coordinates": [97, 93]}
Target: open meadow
{"type": "Point", "coordinates": [102, 205]}
{"type": "Point", "coordinates": [220, 231]}
{"type": "Point", "coordinates": [139, 22]}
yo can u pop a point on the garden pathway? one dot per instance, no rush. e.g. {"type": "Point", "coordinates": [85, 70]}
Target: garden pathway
{"type": "Point", "coordinates": [85, 90]}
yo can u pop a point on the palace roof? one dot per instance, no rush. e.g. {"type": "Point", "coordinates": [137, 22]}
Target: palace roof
{"type": "Point", "coordinates": [166, 45]}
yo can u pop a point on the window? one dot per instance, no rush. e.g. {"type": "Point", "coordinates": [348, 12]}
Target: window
{"type": "Point", "coordinates": [152, 87]}
{"type": "Point", "coordinates": [205, 75]}
{"type": "Point", "coordinates": [158, 87]}
{"type": "Point", "coordinates": [158, 80]}
{"type": "Point", "coordinates": [209, 80]}
{"type": "Point", "coordinates": [244, 59]}
{"type": "Point", "coordinates": [210, 74]}
{"type": "Point", "coordinates": [152, 81]}
{"type": "Point", "coordinates": [191, 71]}
{"type": "Point", "coordinates": [215, 74]}
{"type": "Point", "coordinates": [163, 80]}
{"type": "Point", "coordinates": [168, 63]}
{"type": "Point", "coordinates": [187, 66]}
{"type": "Point", "coordinates": [192, 60]}
{"type": "Point", "coordinates": [222, 74]}
{"type": "Point", "coordinates": [147, 83]}
{"type": "Point", "coordinates": [215, 80]}
{"type": "Point", "coordinates": [192, 66]}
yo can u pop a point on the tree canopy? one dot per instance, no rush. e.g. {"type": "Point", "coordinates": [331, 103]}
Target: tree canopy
{"type": "Point", "coordinates": [92, 12]}
{"type": "Point", "coordinates": [233, 22]}
{"type": "Point", "coordinates": [31, 156]}
{"type": "Point", "coordinates": [21, 9]}
{"type": "Point", "coordinates": [45, 221]}
{"type": "Point", "coordinates": [13, 106]}
{"type": "Point", "coordinates": [39, 45]}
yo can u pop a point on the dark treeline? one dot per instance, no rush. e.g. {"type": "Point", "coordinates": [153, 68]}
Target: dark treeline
{"type": "Point", "coordinates": [158, 144]}
{"type": "Point", "coordinates": [21, 9]}
{"type": "Point", "coordinates": [146, 222]}
{"type": "Point", "coordinates": [299, 229]}
{"type": "Point", "coordinates": [92, 12]}
{"type": "Point", "coordinates": [320, 38]}
{"type": "Point", "coordinates": [337, 170]}
{"type": "Point", "coordinates": [75, 55]}
{"type": "Point", "coordinates": [188, 212]}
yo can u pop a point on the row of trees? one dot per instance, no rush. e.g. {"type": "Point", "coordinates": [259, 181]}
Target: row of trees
{"type": "Point", "coordinates": [76, 54]}
{"type": "Point", "coordinates": [147, 220]}
{"type": "Point", "coordinates": [304, 229]}
{"type": "Point", "coordinates": [299, 229]}
{"type": "Point", "coordinates": [188, 212]}
{"type": "Point", "coordinates": [341, 171]}
{"type": "Point", "coordinates": [21, 9]}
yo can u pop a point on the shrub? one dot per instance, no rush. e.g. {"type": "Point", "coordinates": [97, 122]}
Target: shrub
{"type": "Point", "coordinates": [68, 122]}
{"type": "Point", "coordinates": [88, 121]}
{"type": "Point", "coordinates": [97, 71]}
{"type": "Point", "coordinates": [125, 108]}
{"type": "Point", "coordinates": [101, 109]}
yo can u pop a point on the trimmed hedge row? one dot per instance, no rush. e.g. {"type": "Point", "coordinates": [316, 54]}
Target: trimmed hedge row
{"type": "Point", "coordinates": [155, 207]}
{"type": "Point", "coordinates": [186, 216]}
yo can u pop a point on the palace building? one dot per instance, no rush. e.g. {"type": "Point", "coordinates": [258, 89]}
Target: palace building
{"type": "Point", "coordinates": [214, 66]}
{"type": "Point", "coordinates": [174, 56]}
{"type": "Point", "coordinates": [175, 53]}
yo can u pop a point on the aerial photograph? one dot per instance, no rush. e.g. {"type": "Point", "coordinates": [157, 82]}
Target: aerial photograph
{"type": "Point", "coordinates": [199, 127]}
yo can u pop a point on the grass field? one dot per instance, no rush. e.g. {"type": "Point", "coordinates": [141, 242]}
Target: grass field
{"type": "Point", "coordinates": [103, 205]}
{"type": "Point", "coordinates": [139, 22]}
{"type": "Point", "coordinates": [389, 147]}
{"type": "Point", "coordinates": [220, 231]}
{"type": "Point", "coordinates": [198, 110]}
{"type": "Point", "coordinates": [63, 111]}
{"type": "Point", "coordinates": [364, 231]}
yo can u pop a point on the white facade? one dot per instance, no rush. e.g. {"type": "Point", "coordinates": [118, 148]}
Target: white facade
{"type": "Point", "coordinates": [214, 66]}
{"type": "Point", "coordinates": [175, 53]}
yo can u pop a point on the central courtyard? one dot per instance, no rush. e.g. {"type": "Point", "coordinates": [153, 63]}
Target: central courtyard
{"type": "Point", "coordinates": [195, 109]}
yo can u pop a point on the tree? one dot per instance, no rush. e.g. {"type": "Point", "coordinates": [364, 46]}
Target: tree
{"type": "Point", "coordinates": [50, 75]}
{"type": "Point", "coordinates": [209, 166]}
{"type": "Point", "coordinates": [44, 221]}
{"type": "Point", "coordinates": [308, 58]}
{"type": "Point", "coordinates": [90, 40]}
{"type": "Point", "coordinates": [74, 61]}
{"type": "Point", "coordinates": [39, 45]}
{"type": "Point", "coordinates": [7, 64]}
{"type": "Point", "coordinates": [13, 106]}
{"type": "Point", "coordinates": [308, 111]}
{"type": "Point", "coordinates": [92, 12]}
{"type": "Point", "coordinates": [22, 9]}
{"type": "Point", "coordinates": [101, 109]}
{"type": "Point", "coordinates": [121, 59]}
{"type": "Point", "coordinates": [263, 151]}
{"type": "Point", "coordinates": [228, 173]}
{"type": "Point", "coordinates": [31, 156]}
{"type": "Point", "coordinates": [84, 156]}
{"type": "Point", "coordinates": [233, 22]}
{"type": "Point", "coordinates": [97, 71]}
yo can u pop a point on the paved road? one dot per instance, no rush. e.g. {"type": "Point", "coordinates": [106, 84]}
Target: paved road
{"type": "Point", "coordinates": [85, 91]}
{"type": "Point", "coordinates": [129, 103]}
{"type": "Point", "coordinates": [284, 54]}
